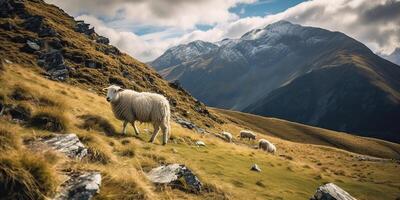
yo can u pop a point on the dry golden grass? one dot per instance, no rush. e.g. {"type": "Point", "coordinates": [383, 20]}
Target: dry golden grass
{"type": "Point", "coordinates": [311, 135]}
{"type": "Point", "coordinates": [294, 172]}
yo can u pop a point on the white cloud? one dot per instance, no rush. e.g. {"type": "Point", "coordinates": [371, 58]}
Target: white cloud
{"type": "Point", "coordinates": [375, 23]}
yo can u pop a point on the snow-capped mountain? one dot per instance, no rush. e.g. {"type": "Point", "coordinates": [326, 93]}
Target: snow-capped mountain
{"type": "Point", "coordinates": [286, 60]}
{"type": "Point", "coordinates": [183, 53]}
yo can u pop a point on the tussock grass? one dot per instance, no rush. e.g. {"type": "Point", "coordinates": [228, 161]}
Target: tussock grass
{"type": "Point", "coordinates": [98, 123]}
{"type": "Point", "coordinates": [49, 119]}
{"type": "Point", "coordinates": [8, 139]}
{"type": "Point", "coordinates": [26, 176]}
{"type": "Point", "coordinates": [98, 149]}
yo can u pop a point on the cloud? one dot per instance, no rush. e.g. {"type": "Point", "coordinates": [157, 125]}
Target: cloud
{"type": "Point", "coordinates": [167, 13]}
{"type": "Point", "coordinates": [172, 22]}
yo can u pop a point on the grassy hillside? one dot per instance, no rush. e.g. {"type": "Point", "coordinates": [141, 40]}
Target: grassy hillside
{"type": "Point", "coordinates": [294, 172]}
{"type": "Point", "coordinates": [312, 135]}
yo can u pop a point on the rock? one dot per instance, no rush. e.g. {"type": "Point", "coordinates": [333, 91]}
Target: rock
{"type": "Point", "coordinates": [112, 50]}
{"type": "Point", "coordinates": [80, 186]}
{"type": "Point", "coordinates": [8, 8]}
{"type": "Point", "coordinates": [93, 63]}
{"type": "Point", "coordinates": [200, 143]}
{"type": "Point", "coordinates": [102, 40]}
{"type": "Point", "coordinates": [36, 24]}
{"type": "Point", "coordinates": [331, 191]}
{"type": "Point", "coordinates": [256, 168]}
{"type": "Point", "coordinates": [83, 27]}
{"type": "Point", "coordinates": [30, 47]}
{"type": "Point", "coordinates": [53, 63]}
{"type": "Point", "coordinates": [68, 144]}
{"type": "Point", "coordinates": [187, 124]}
{"type": "Point", "coordinates": [177, 176]}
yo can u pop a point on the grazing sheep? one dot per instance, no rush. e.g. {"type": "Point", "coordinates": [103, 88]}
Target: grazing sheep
{"type": "Point", "coordinates": [247, 134]}
{"type": "Point", "coordinates": [266, 146]}
{"type": "Point", "coordinates": [130, 106]}
{"type": "Point", "coordinates": [227, 136]}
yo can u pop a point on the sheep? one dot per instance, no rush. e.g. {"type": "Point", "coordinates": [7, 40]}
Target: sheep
{"type": "Point", "coordinates": [130, 106]}
{"type": "Point", "coordinates": [247, 134]}
{"type": "Point", "coordinates": [227, 136]}
{"type": "Point", "coordinates": [266, 146]}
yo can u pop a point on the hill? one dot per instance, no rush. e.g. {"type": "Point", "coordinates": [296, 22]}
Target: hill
{"type": "Point", "coordinates": [303, 74]}
{"type": "Point", "coordinates": [39, 97]}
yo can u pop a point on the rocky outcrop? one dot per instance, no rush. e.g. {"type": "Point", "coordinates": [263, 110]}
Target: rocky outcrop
{"type": "Point", "coordinates": [68, 144]}
{"type": "Point", "coordinates": [102, 40]}
{"type": "Point", "coordinates": [80, 186]}
{"type": "Point", "coordinates": [177, 176]}
{"type": "Point", "coordinates": [53, 63]}
{"type": "Point", "coordinates": [187, 124]}
{"type": "Point", "coordinates": [83, 27]}
{"type": "Point", "coordinates": [36, 24]}
{"type": "Point", "coordinates": [331, 191]}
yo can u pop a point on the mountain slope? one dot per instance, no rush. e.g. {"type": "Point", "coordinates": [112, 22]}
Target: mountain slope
{"type": "Point", "coordinates": [243, 72]}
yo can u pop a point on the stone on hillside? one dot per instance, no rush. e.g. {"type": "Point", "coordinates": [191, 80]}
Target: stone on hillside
{"type": "Point", "coordinates": [69, 144]}
{"type": "Point", "coordinates": [331, 191]}
{"type": "Point", "coordinates": [30, 47]}
{"type": "Point", "coordinates": [36, 24]}
{"type": "Point", "coordinates": [8, 8]}
{"type": "Point", "coordinates": [200, 143]}
{"type": "Point", "coordinates": [102, 40]}
{"type": "Point", "coordinates": [80, 186]}
{"type": "Point", "coordinates": [177, 176]}
{"type": "Point", "coordinates": [83, 27]}
{"type": "Point", "coordinates": [256, 168]}
{"type": "Point", "coordinates": [53, 63]}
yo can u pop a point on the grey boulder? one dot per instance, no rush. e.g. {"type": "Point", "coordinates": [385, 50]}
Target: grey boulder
{"type": "Point", "coordinates": [177, 176]}
{"type": "Point", "coordinates": [68, 144]}
{"type": "Point", "coordinates": [331, 191]}
{"type": "Point", "coordinates": [80, 186]}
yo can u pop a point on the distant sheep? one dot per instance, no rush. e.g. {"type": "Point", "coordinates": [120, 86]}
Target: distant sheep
{"type": "Point", "coordinates": [247, 134]}
{"type": "Point", "coordinates": [266, 146]}
{"type": "Point", "coordinates": [130, 106]}
{"type": "Point", "coordinates": [227, 136]}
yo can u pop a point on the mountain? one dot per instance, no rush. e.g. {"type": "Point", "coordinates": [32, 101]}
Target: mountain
{"type": "Point", "coordinates": [302, 74]}
{"type": "Point", "coordinates": [183, 53]}
{"type": "Point", "coordinates": [60, 140]}
{"type": "Point", "coordinates": [393, 57]}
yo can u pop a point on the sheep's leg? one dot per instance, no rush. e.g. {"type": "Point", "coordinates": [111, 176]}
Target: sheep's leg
{"type": "Point", "coordinates": [155, 132]}
{"type": "Point", "coordinates": [124, 127]}
{"type": "Point", "coordinates": [134, 127]}
{"type": "Point", "coordinates": [164, 129]}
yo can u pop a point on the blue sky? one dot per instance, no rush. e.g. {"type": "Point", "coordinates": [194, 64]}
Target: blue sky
{"type": "Point", "coordinates": [146, 28]}
{"type": "Point", "coordinates": [264, 7]}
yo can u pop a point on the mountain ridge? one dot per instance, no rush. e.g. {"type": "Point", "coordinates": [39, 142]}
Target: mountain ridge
{"type": "Point", "coordinates": [242, 72]}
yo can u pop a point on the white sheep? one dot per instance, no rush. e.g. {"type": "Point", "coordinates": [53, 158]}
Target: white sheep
{"type": "Point", "coordinates": [266, 146]}
{"type": "Point", "coordinates": [130, 106]}
{"type": "Point", "coordinates": [247, 134]}
{"type": "Point", "coordinates": [227, 136]}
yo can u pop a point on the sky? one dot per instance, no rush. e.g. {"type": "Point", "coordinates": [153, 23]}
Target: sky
{"type": "Point", "coordinates": [146, 28]}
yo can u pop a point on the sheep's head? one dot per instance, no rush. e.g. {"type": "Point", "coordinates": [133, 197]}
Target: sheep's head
{"type": "Point", "coordinates": [112, 92]}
